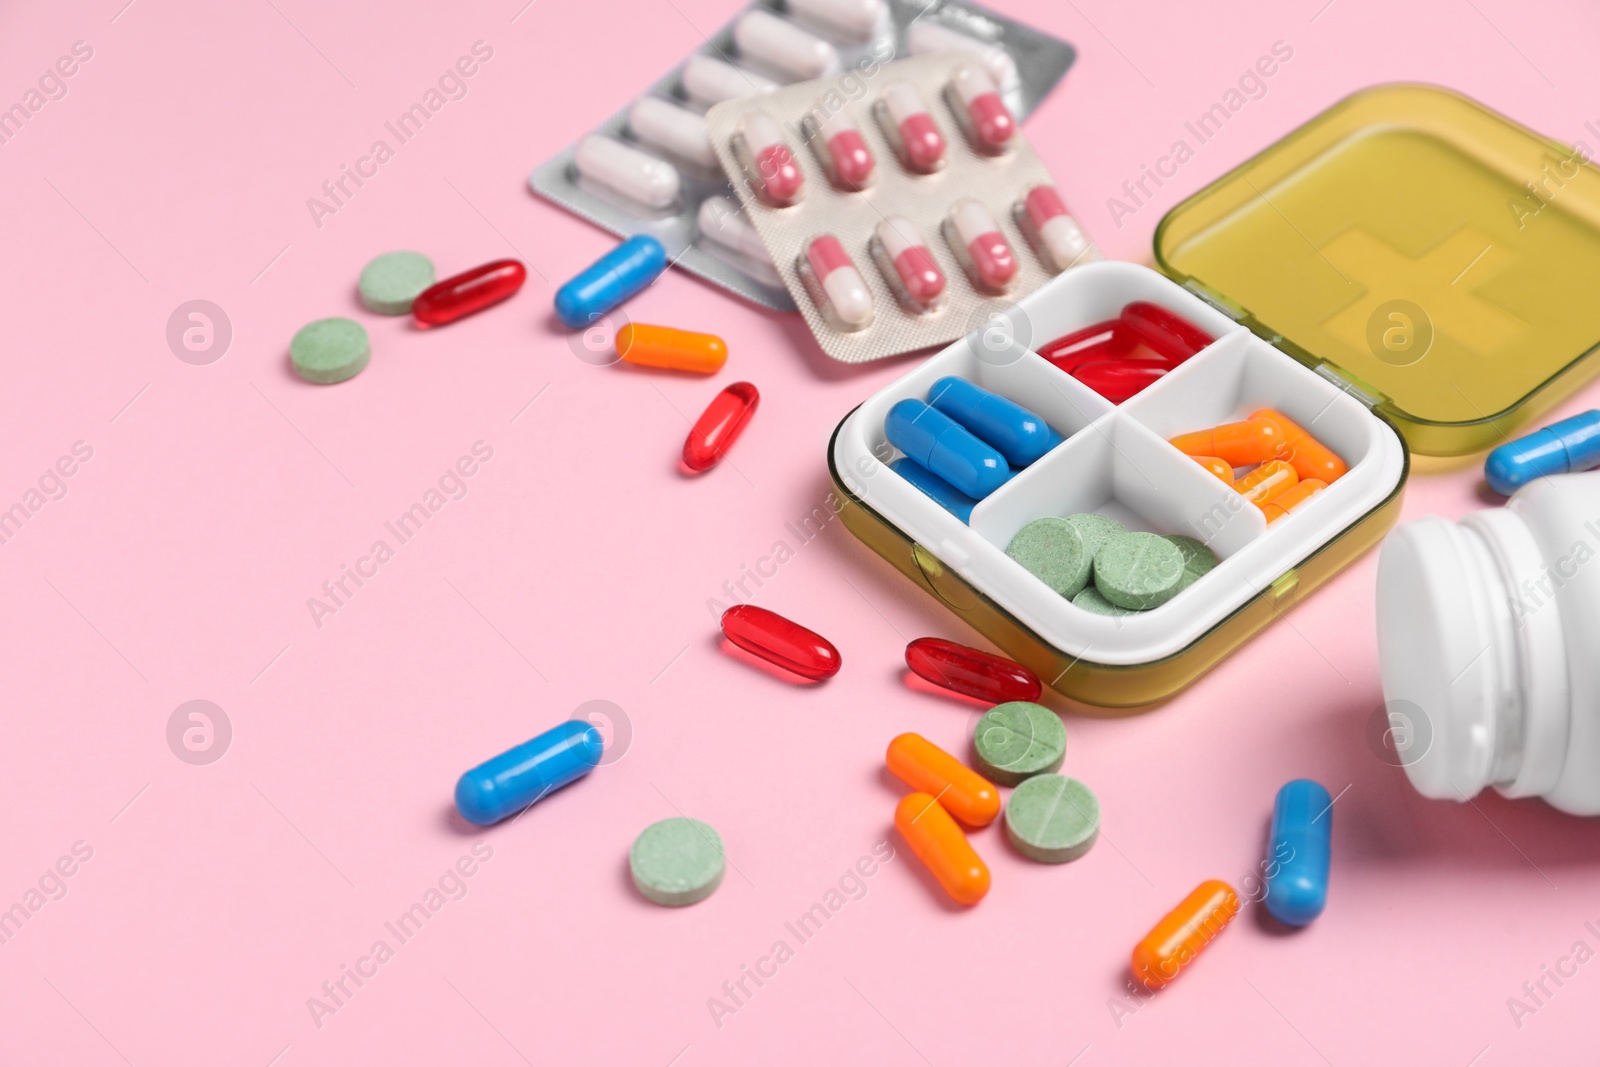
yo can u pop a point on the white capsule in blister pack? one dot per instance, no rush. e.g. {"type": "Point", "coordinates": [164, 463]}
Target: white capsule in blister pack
{"type": "Point", "coordinates": [856, 20]}
{"type": "Point", "coordinates": [834, 283]}
{"type": "Point", "coordinates": [783, 47]}
{"type": "Point", "coordinates": [1055, 235]}
{"type": "Point", "coordinates": [907, 265]}
{"type": "Point", "coordinates": [926, 36]}
{"type": "Point", "coordinates": [673, 129]}
{"type": "Point", "coordinates": [984, 117]}
{"type": "Point", "coordinates": [627, 171]}
{"type": "Point", "coordinates": [982, 250]}
{"type": "Point", "coordinates": [721, 222]}
{"type": "Point", "coordinates": [910, 128]}
{"type": "Point", "coordinates": [709, 81]}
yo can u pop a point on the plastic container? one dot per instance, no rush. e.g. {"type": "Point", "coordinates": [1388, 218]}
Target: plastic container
{"type": "Point", "coordinates": [1487, 632]}
{"type": "Point", "coordinates": [1352, 218]}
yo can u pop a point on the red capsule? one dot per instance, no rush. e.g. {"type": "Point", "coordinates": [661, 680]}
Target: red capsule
{"type": "Point", "coordinates": [1165, 333]}
{"type": "Point", "coordinates": [1117, 380]}
{"type": "Point", "coordinates": [1099, 341]}
{"type": "Point", "coordinates": [468, 292]}
{"type": "Point", "coordinates": [971, 672]}
{"type": "Point", "coordinates": [719, 426]}
{"type": "Point", "coordinates": [781, 642]}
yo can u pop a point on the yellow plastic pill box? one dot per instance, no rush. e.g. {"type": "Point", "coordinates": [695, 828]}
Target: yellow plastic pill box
{"type": "Point", "coordinates": [1407, 271]}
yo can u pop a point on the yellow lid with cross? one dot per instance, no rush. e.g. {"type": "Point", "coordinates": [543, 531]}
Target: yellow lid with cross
{"type": "Point", "coordinates": [1440, 259]}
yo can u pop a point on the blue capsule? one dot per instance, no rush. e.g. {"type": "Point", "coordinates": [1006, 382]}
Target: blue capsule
{"type": "Point", "coordinates": [1302, 840]}
{"type": "Point", "coordinates": [1018, 434]}
{"type": "Point", "coordinates": [943, 493]}
{"type": "Point", "coordinates": [932, 439]}
{"type": "Point", "coordinates": [1560, 448]}
{"type": "Point", "coordinates": [613, 278]}
{"type": "Point", "coordinates": [517, 777]}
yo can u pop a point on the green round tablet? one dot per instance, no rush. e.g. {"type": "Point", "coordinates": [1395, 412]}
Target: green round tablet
{"type": "Point", "coordinates": [1091, 600]}
{"type": "Point", "coordinates": [1018, 740]}
{"type": "Point", "coordinates": [1053, 551]}
{"type": "Point", "coordinates": [1096, 529]}
{"type": "Point", "coordinates": [677, 862]}
{"type": "Point", "coordinates": [391, 282]}
{"type": "Point", "coordinates": [1138, 570]}
{"type": "Point", "coordinates": [1052, 819]}
{"type": "Point", "coordinates": [329, 350]}
{"type": "Point", "coordinates": [1197, 559]}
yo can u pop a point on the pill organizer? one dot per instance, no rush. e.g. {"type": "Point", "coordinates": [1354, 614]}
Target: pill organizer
{"type": "Point", "coordinates": [656, 146]}
{"type": "Point", "coordinates": [1392, 202]}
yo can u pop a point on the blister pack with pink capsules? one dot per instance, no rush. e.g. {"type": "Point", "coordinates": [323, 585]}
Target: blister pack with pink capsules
{"type": "Point", "coordinates": [901, 205]}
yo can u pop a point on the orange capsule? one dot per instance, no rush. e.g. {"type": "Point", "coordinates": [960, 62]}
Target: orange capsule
{"type": "Point", "coordinates": [1240, 444]}
{"type": "Point", "coordinates": [1287, 501]}
{"type": "Point", "coordinates": [1187, 929]}
{"type": "Point", "coordinates": [1311, 458]}
{"type": "Point", "coordinates": [1266, 481]}
{"type": "Point", "coordinates": [959, 789]}
{"type": "Point", "coordinates": [1218, 466]}
{"type": "Point", "coordinates": [941, 846]}
{"type": "Point", "coordinates": [662, 346]}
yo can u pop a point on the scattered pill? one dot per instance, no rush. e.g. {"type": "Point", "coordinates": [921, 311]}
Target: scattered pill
{"type": "Point", "coordinates": [1018, 739]}
{"type": "Point", "coordinates": [1119, 380]}
{"type": "Point", "coordinates": [906, 263]}
{"type": "Point", "coordinates": [1056, 235]}
{"type": "Point", "coordinates": [781, 642]}
{"type": "Point", "coordinates": [910, 129]}
{"type": "Point", "coordinates": [1241, 444]}
{"type": "Point", "coordinates": [662, 346]}
{"type": "Point", "coordinates": [1185, 931]}
{"type": "Point", "coordinates": [926, 35]}
{"type": "Point", "coordinates": [468, 292]}
{"type": "Point", "coordinates": [988, 120]}
{"type": "Point", "coordinates": [1019, 435]}
{"type": "Point", "coordinates": [723, 222]}
{"type": "Point", "coordinates": [1052, 819]}
{"type": "Point", "coordinates": [856, 19]}
{"type": "Point", "coordinates": [677, 862]}
{"type": "Point", "coordinates": [1053, 551]}
{"type": "Point", "coordinates": [672, 129]}
{"type": "Point", "coordinates": [1266, 481]}
{"type": "Point", "coordinates": [393, 281]}
{"type": "Point", "coordinates": [976, 239]}
{"type": "Point", "coordinates": [610, 280]}
{"type": "Point", "coordinates": [1560, 448]}
{"type": "Point", "coordinates": [940, 491]}
{"type": "Point", "coordinates": [937, 442]}
{"type": "Point", "coordinates": [627, 171]}
{"type": "Point", "coordinates": [1311, 458]}
{"type": "Point", "coordinates": [1096, 529]}
{"type": "Point", "coordinates": [1299, 853]}
{"type": "Point", "coordinates": [1198, 560]}
{"type": "Point", "coordinates": [1217, 466]}
{"type": "Point", "coordinates": [1286, 502]}
{"type": "Point", "coordinates": [938, 842]}
{"type": "Point", "coordinates": [960, 790]}
{"type": "Point", "coordinates": [784, 47]}
{"type": "Point", "coordinates": [1091, 600]}
{"type": "Point", "coordinates": [771, 167]}
{"type": "Point", "coordinates": [831, 277]}
{"type": "Point", "coordinates": [719, 426]}
{"type": "Point", "coordinates": [971, 672]}
{"type": "Point", "coordinates": [329, 350]}
{"type": "Point", "coordinates": [529, 772]}
{"type": "Point", "coordinates": [1164, 333]}
{"type": "Point", "coordinates": [709, 81]}
{"type": "Point", "coordinates": [839, 145]}
{"type": "Point", "coordinates": [1138, 570]}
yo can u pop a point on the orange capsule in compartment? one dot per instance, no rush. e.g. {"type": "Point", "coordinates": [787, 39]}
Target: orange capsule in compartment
{"type": "Point", "coordinates": [960, 790]}
{"type": "Point", "coordinates": [1287, 501]}
{"type": "Point", "coordinates": [1239, 444]}
{"type": "Point", "coordinates": [1266, 481]}
{"type": "Point", "coordinates": [1187, 929]}
{"type": "Point", "coordinates": [938, 842]}
{"type": "Point", "coordinates": [1311, 458]}
{"type": "Point", "coordinates": [1217, 466]}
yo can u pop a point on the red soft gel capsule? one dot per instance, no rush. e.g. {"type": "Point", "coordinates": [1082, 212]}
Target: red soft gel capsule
{"type": "Point", "coordinates": [1120, 380]}
{"type": "Point", "coordinates": [971, 672]}
{"type": "Point", "coordinates": [1165, 333]}
{"type": "Point", "coordinates": [471, 291]}
{"type": "Point", "coordinates": [781, 642]}
{"type": "Point", "coordinates": [719, 426]}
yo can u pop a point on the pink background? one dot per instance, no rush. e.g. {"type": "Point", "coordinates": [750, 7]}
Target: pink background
{"type": "Point", "coordinates": [578, 567]}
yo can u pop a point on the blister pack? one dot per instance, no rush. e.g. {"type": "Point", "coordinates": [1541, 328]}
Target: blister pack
{"type": "Point", "coordinates": [901, 205]}
{"type": "Point", "coordinates": [650, 168]}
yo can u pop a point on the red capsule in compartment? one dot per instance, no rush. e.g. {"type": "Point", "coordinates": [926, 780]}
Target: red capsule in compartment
{"type": "Point", "coordinates": [468, 292]}
{"type": "Point", "coordinates": [719, 426]}
{"type": "Point", "coordinates": [1118, 380]}
{"type": "Point", "coordinates": [781, 642]}
{"type": "Point", "coordinates": [971, 672]}
{"type": "Point", "coordinates": [1163, 332]}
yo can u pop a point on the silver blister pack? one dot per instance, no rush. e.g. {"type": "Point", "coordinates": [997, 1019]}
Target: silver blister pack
{"type": "Point", "coordinates": [704, 228]}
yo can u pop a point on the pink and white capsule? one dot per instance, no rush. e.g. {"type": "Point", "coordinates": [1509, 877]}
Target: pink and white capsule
{"type": "Point", "coordinates": [921, 143]}
{"type": "Point", "coordinates": [841, 283]}
{"type": "Point", "coordinates": [992, 259]}
{"type": "Point", "coordinates": [780, 176]}
{"type": "Point", "coordinates": [913, 264]}
{"type": "Point", "coordinates": [1061, 240]}
{"type": "Point", "coordinates": [849, 160]}
{"type": "Point", "coordinates": [987, 115]}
